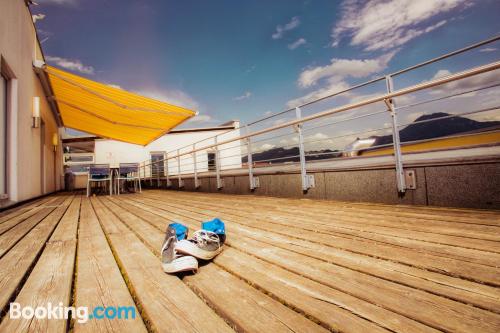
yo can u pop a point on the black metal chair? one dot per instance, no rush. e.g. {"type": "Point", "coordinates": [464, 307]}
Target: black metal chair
{"type": "Point", "coordinates": [128, 172]}
{"type": "Point", "coordinates": [100, 173]}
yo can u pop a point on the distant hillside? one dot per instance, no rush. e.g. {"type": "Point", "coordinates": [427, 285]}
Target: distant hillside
{"type": "Point", "coordinates": [436, 128]}
{"type": "Point", "coordinates": [291, 155]}
{"type": "Point", "coordinates": [416, 131]}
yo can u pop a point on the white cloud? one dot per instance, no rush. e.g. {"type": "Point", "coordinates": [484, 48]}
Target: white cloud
{"type": "Point", "coordinates": [345, 67]}
{"type": "Point", "coordinates": [112, 85]}
{"type": "Point", "coordinates": [280, 30]}
{"type": "Point", "coordinates": [334, 85]}
{"type": "Point", "coordinates": [297, 43]}
{"type": "Point", "coordinates": [290, 141]}
{"type": "Point", "coordinates": [318, 136]}
{"type": "Point", "coordinates": [488, 49]}
{"type": "Point", "coordinates": [74, 65]}
{"type": "Point", "coordinates": [250, 69]}
{"type": "Point", "coordinates": [441, 73]}
{"type": "Point", "coordinates": [470, 83]}
{"type": "Point", "coordinates": [335, 74]}
{"type": "Point", "coordinates": [382, 24]}
{"type": "Point", "coordinates": [280, 121]}
{"type": "Point", "coordinates": [246, 95]}
{"type": "Point", "coordinates": [37, 17]}
{"type": "Point", "coordinates": [176, 97]}
{"type": "Point", "coordinates": [202, 118]}
{"type": "Point", "coordinates": [179, 98]}
{"type": "Point", "coordinates": [266, 146]}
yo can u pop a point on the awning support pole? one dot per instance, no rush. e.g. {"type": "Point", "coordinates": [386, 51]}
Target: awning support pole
{"type": "Point", "coordinates": [307, 180]}
{"type": "Point", "coordinates": [400, 177]}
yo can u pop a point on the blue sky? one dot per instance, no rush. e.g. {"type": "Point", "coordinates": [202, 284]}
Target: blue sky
{"type": "Point", "coordinates": [242, 59]}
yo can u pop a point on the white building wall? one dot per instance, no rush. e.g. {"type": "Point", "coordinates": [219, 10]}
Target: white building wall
{"type": "Point", "coordinates": [33, 166]}
{"type": "Point", "coordinates": [114, 152]}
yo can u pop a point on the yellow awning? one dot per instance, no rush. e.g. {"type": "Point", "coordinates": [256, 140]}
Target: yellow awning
{"type": "Point", "coordinates": [109, 112]}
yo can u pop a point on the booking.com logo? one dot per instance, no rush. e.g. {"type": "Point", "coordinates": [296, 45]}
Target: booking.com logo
{"type": "Point", "coordinates": [81, 314]}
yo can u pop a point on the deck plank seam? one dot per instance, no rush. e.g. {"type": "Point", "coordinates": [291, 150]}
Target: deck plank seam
{"type": "Point", "coordinates": [70, 324]}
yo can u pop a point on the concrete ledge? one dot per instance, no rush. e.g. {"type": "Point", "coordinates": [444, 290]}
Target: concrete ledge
{"type": "Point", "coordinates": [475, 185]}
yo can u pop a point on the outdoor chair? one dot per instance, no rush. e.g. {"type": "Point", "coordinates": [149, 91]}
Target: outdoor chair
{"type": "Point", "coordinates": [128, 172]}
{"type": "Point", "coordinates": [100, 173]}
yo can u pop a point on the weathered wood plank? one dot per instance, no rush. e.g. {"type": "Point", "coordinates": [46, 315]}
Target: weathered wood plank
{"type": "Point", "coordinates": [349, 225]}
{"type": "Point", "coordinates": [166, 301]}
{"type": "Point", "coordinates": [335, 316]}
{"type": "Point", "coordinates": [16, 211]}
{"type": "Point", "coordinates": [12, 235]}
{"type": "Point", "coordinates": [429, 304]}
{"type": "Point", "coordinates": [51, 279]}
{"type": "Point", "coordinates": [372, 210]}
{"type": "Point", "coordinates": [218, 288]}
{"type": "Point", "coordinates": [16, 263]}
{"type": "Point", "coordinates": [403, 255]}
{"type": "Point", "coordinates": [465, 291]}
{"type": "Point", "coordinates": [99, 281]}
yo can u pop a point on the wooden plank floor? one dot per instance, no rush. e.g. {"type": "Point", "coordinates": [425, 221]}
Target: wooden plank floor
{"type": "Point", "coordinates": [289, 265]}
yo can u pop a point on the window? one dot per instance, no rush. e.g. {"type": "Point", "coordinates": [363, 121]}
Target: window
{"type": "Point", "coordinates": [79, 169]}
{"type": "Point", "coordinates": [3, 137]}
{"type": "Point", "coordinates": [211, 161]}
{"type": "Point", "coordinates": [78, 158]}
{"type": "Point", "coordinates": [157, 169]}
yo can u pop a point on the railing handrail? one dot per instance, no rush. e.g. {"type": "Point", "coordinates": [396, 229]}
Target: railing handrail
{"type": "Point", "coordinates": [348, 107]}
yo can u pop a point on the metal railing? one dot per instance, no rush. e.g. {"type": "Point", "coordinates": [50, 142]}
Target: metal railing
{"type": "Point", "coordinates": [233, 150]}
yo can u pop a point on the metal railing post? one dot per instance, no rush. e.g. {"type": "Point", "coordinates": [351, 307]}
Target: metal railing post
{"type": "Point", "coordinates": [179, 177]}
{"type": "Point", "coordinates": [217, 166]}
{"type": "Point", "coordinates": [195, 168]}
{"type": "Point", "coordinates": [158, 175]}
{"type": "Point", "coordinates": [151, 173]}
{"type": "Point", "coordinates": [165, 166]}
{"type": "Point", "coordinates": [140, 167]}
{"type": "Point", "coordinates": [307, 180]}
{"type": "Point", "coordinates": [253, 180]}
{"type": "Point", "coordinates": [400, 177]}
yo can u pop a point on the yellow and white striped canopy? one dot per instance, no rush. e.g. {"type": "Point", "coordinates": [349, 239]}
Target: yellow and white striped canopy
{"type": "Point", "coordinates": [109, 112]}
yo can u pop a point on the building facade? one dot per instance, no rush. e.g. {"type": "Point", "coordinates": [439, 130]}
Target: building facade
{"type": "Point", "coordinates": [81, 153]}
{"type": "Point", "coordinates": [30, 150]}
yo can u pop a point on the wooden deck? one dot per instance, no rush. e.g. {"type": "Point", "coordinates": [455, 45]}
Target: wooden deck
{"type": "Point", "coordinates": [288, 265]}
